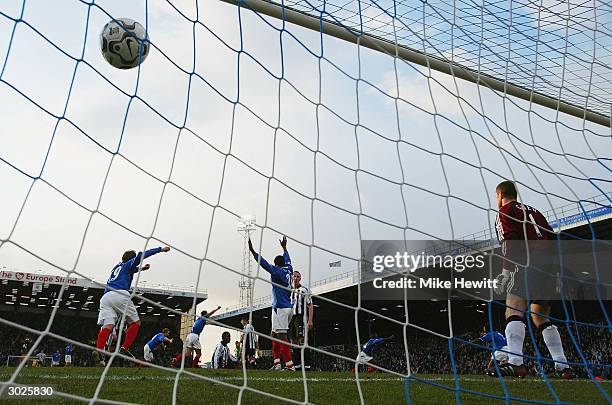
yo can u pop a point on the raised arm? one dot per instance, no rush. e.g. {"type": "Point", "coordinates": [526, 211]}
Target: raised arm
{"type": "Point", "coordinates": [262, 262]}
{"type": "Point", "coordinates": [143, 268]}
{"type": "Point", "coordinates": [283, 243]}
{"type": "Point", "coordinates": [213, 311]}
{"type": "Point", "coordinates": [150, 252]}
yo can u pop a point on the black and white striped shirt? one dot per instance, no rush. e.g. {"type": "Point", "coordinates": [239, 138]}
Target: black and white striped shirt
{"type": "Point", "coordinates": [249, 338]}
{"type": "Point", "coordinates": [222, 357]}
{"type": "Point", "coordinates": [300, 299]}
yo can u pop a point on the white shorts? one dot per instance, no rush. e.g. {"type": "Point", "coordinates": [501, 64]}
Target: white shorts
{"type": "Point", "coordinates": [500, 356]}
{"type": "Point", "coordinates": [54, 363]}
{"type": "Point", "coordinates": [193, 341]}
{"type": "Point", "coordinates": [148, 354]}
{"type": "Point", "coordinates": [115, 303]}
{"type": "Point", "coordinates": [68, 359]}
{"type": "Point", "coordinates": [363, 358]}
{"type": "Point", "coordinates": [280, 319]}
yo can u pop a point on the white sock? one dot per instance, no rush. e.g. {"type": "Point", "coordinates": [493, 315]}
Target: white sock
{"type": "Point", "coordinates": [555, 347]}
{"type": "Point", "coordinates": [515, 335]}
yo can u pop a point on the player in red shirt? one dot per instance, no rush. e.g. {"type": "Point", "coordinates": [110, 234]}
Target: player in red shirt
{"type": "Point", "coordinates": [523, 229]}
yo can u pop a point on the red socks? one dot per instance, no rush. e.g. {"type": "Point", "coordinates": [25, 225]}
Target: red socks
{"type": "Point", "coordinates": [286, 353]}
{"type": "Point", "coordinates": [130, 335]}
{"type": "Point", "coordinates": [196, 360]}
{"type": "Point", "coordinates": [102, 338]}
{"type": "Point", "coordinates": [276, 352]}
{"type": "Point", "coordinates": [282, 351]}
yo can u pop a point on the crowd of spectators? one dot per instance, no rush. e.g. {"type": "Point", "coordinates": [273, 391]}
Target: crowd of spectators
{"type": "Point", "coordinates": [18, 342]}
{"type": "Point", "coordinates": [430, 354]}
{"type": "Point", "coordinates": [427, 353]}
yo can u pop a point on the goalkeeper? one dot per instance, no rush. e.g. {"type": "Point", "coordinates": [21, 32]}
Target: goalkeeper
{"type": "Point", "coordinates": [516, 224]}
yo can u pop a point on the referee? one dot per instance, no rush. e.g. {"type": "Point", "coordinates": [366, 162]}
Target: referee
{"type": "Point", "coordinates": [298, 327]}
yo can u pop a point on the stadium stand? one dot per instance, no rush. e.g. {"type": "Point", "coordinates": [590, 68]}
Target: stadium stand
{"type": "Point", "coordinates": [29, 298]}
{"type": "Point", "coordinates": [334, 328]}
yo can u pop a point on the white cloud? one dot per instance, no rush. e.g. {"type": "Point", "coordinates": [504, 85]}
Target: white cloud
{"type": "Point", "coordinates": [201, 164]}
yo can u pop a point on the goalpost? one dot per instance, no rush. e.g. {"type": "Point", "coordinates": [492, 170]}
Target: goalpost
{"type": "Point", "coordinates": [439, 102]}
{"type": "Point", "coordinates": [329, 24]}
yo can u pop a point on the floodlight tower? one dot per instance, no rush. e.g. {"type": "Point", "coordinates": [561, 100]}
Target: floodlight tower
{"type": "Point", "coordinates": [246, 225]}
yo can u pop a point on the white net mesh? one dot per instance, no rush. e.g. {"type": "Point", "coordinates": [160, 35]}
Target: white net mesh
{"type": "Point", "coordinates": [325, 141]}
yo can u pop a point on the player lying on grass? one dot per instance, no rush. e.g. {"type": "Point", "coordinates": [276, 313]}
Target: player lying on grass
{"type": "Point", "coordinates": [367, 352]}
{"type": "Point", "coordinates": [498, 341]}
{"type": "Point", "coordinates": [517, 223]}
{"type": "Point", "coordinates": [192, 343]}
{"type": "Point", "coordinates": [160, 339]}
{"type": "Point", "coordinates": [282, 309]}
{"type": "Point", "coordinates": [116, 300]}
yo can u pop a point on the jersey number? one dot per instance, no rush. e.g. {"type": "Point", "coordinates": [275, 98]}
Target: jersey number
{"type": "Point", "coordinates": [114, 274]}
{"type": "Point", "coordinates": [535, 226]}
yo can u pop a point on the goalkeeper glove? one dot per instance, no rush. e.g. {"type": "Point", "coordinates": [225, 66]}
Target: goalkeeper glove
{"type": "Point", "coordinates": [502, 282]}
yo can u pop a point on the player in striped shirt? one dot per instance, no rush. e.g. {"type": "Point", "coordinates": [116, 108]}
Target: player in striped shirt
{"type": "Point", "coordinates": [41, 357]}
{"type": "Point", "coordinates": [222, 357]}
{"type": "Point", "coordinates": [280, 274]}
{"type": "Point", "coordinates": [303, 317]}
{"type": "Point", "coordinates": [516, 224]}
{"type": "Point", "coordinates": [248, 342]}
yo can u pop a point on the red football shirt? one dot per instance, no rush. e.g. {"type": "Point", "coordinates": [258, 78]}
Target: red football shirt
{"type": "Point", "coordinates": [517, 222]}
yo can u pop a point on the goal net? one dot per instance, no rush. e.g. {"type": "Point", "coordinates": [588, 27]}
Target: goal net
{"type": "Point", "coordinates": [330, 122]}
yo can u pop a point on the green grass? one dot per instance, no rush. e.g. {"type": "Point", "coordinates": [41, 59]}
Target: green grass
{"type": "Point", "coordinates": [153, 386]}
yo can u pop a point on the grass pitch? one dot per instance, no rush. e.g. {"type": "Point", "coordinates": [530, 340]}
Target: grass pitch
{"type": "Point", "coordinates": [154, 386]}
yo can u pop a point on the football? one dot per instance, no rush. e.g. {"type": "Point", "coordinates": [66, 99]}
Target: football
{"type": "Point", "coordinates": [124, 43]}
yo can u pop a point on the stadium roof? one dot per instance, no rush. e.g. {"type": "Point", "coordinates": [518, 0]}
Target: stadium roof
{"type": "Point", "coordinates": [34, 290]}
